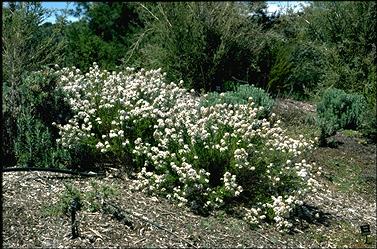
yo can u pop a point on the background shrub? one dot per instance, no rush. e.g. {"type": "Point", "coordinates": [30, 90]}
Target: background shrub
{"type": "Point", "coordinates": [369, 129]}
{"type": "Point", "coordinates": [241, 95]}
{"type": "Point", "coordinates": [34, 136]}
{"type": "Point", "coordinates": [102, 34]}
{"type": "Point", "coordinates": [205, 43]}
{"type": "Point", "coordinates": [297, 69]}
{"type": "Point", "coordinates": [339, 110]}
{"type": "Point", "coordinates": [34, 146]}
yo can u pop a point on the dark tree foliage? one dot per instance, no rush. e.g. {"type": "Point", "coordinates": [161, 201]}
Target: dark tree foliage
{"type": "Point", "coordinates": [102, 34]}
{"type": "Point", "coordinates": [329, 44]}
{"type": "Point", "coordinates": [206, 44]}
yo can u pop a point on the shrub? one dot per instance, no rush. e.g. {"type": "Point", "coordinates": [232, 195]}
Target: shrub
{"type": "Point", "coordinates": [89, 200]}
{"type": "Point", "coordinates": [207, 43]}
{"type": "Point", "coordinates": [63, 205]}
{"type": "Point", "coordinates": [297, 70]}
{"type": "Point", "coordinates": [33, 145]}
{"type": "Point", "coordinates": [32, 140]}
{"type": "Point", "coordinates": [241, 95]}
{"type": "Point", "coordinates": [26, 44]}
{"type": "Point", "coordinates": [202, 157]}
{"type": "Point", "coordinates": [339, 110]}
{"type": "Point", "coordinates": [369, 130]}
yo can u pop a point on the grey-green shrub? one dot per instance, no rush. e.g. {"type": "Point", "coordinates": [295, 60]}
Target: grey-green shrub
{"type": "Point", "coordinates": [89, 200]}
{"type": "Point", "coordinates": [62, 206]}
{"type": "Point", "coordinates": [339, 110]}
{"type": "Point", "coordinates": [33, 140]}
{"type": "Point", "coordinates": [33, 145]}
{"type": "Point", "coordinates": [240, 96]}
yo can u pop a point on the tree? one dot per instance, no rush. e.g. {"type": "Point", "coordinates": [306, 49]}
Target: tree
{"type": "Point", "coordinates": [102, 34]}
{"type": "Point", "coordinates": [329, 44]}
{"type": "Point", "coordinates": [206, 43]}
{"type": "Point", "coordinates": [27, 45]}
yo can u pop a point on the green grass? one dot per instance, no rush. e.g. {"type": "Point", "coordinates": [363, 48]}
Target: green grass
{"type": "Point", "coordinates": [346, 176]}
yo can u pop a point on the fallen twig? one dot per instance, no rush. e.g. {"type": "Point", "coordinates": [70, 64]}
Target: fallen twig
{"type": "Point", "coordinates": [140, 240]}
{"type": "Point", "coordinates": [54, 170]}
{"type": "Point", "coordinates": [265, 238]}
{"type": "Point", "coordinates": [96, 233]}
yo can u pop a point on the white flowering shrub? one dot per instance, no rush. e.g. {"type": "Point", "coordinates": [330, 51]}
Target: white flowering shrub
{"type": "Point", "coordinates": [202, 157]}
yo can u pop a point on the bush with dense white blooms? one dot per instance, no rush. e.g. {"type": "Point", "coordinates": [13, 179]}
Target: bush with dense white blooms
{"type": "Point", "coordinates": [195, 155]}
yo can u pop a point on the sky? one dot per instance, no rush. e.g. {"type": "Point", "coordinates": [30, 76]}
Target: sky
{"type": "Point", "coordinates": [57, 6]}
{"type": "Point", "coordinates": [277, 5]}
{"type": "Point", "coordinates": [272, 7]}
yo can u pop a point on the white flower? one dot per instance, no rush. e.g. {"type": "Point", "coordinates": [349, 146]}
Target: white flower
{"type": "Point", "coordinates": [99, 145]}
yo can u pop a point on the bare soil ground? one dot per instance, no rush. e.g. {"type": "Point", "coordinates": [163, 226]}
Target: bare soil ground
{"type": "Point", "coordinates": [346, 201]}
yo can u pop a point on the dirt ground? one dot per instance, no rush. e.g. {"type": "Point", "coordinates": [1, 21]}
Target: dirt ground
{"type": "Point", "coordinates": [346, 201]}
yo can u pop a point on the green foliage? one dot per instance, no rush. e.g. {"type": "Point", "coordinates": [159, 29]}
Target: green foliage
{"type": "Point", "coordinates": [339, 110]}
{"type": "Point", "coordinates": [241, 95]}
{"type": "Point", "coordinates": [297, 70]}
{"type": "Point", "coordinates": [102, 34]}
{"type": "Point", "coordinates": [84, 47]}
{"type": "Point", "coordinates": [369, 128]}
{"type": "Point", "coordinates": [112, 21]}
{"type": "Point", "coordinates": [260, 97]}
{"type": "Point", "coordinates": [38, 91]}
{"type": "Point", "coordinates": [33, 146]}
{"type": "Point", "coordinates": [230, 86]}
{"type": "Point", "coordinates": [348, 30]}
{"type": "Point", "coordinates": [90, 200]}
{"type": "Point", "coordinates": [330, 44]}
{"type": "Point", "coordinates": [204, 43]}
{"type": "Point", "coordinates": [27, 45]}
{"type": "Point", "coordinates": [83, 156]}
{"type": "Point", "coordinates": [34, 143]}
{"type": "Point", "coordinates": [98, 193]}
{"type": "Point", "coordinates": [62, 207]}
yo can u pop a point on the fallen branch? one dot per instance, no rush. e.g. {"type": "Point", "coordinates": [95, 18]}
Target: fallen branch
{"type": "Point", "coordinates": [265, 238]}
{"type": "Point", "coordinates": [54, 170]}
{"type": "Point", "coordinates": [97, 233]}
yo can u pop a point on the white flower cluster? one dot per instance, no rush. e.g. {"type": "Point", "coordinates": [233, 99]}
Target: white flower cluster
{"type": "Point", "coordinates": [165, 126]}
{"type": "Point", "coordinates": [241, 160]}
{"type": "Point", "coordinates": [231, 185]}
{"type": "Point", "coordinates": [282, 207]}
{"type": "Point", "coordinates": [149, 181]}
{"type": "Point", "coordinates": [253, 215]}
